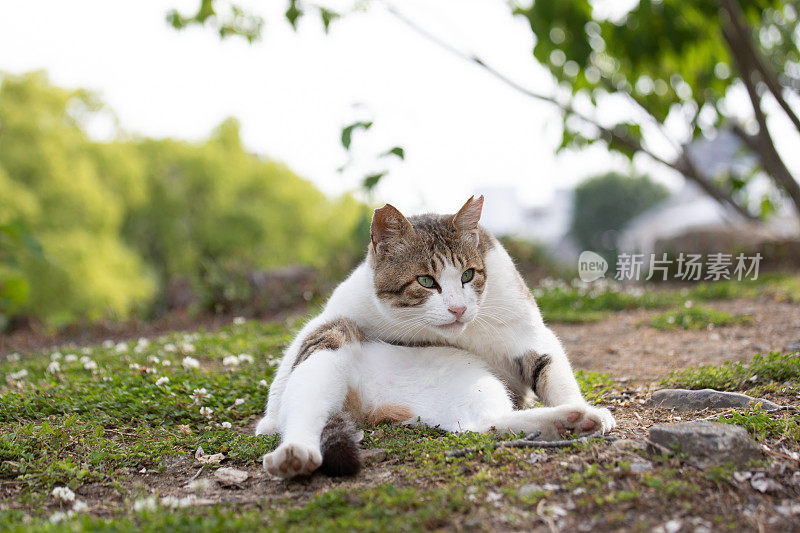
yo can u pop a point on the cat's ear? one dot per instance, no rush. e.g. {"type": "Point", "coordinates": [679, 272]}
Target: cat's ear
{"type": "Point", "coordinates": [388, 223]}
{"type": "Point", "coordinates": [467, 218]}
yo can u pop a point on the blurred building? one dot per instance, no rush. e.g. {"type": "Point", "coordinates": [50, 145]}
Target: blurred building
{"type": "Point", "coordinates": [548, 224]}
{"type": "Point", "coordinates": [692, 221]}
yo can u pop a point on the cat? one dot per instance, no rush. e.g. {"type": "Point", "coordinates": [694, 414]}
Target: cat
{"type": "Point", "coordinates": [435, 326]}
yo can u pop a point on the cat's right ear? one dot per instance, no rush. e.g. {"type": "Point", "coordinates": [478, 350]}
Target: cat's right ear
{"type": "Point", "coordinates": [388, 223]}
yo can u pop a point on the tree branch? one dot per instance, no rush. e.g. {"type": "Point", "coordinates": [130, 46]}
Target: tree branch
{"type": "Point", "coordinates": [765, 146]}
{"type": "Point", "coordinates": [739, 26]}
{"type": "Point", "coordinates": [529, 442]}
{"type": "Point", "coordinates": [681, 164]}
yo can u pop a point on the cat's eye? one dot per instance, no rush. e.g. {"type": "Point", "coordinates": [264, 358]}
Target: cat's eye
{"type": "Point", "coordinates": [426, 281]}
{"type": "Point", "coordinates": [467, 276]}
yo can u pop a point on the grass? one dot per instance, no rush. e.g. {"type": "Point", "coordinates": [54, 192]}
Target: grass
{"type": "Point", "coordinates": [762, 426]}
{"type": "Point", "coordinates": [775, 369]}
{"type": "Point", "coordinates": [696, 317]}
{"type": "Point", "coordinates": [73, 416]}
{"type": "Point", "coordinates": [101, 420]}
{"type": "Point", "coordinates": [101, 414]}
{"type": "Point", "coordinates": [588, 302]}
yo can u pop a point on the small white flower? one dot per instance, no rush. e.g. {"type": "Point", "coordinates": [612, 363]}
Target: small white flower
{"type": "Point", "coordinates": [174, 502]}
{"type": "Point", "coordinates": [85, 359]}
{"type": "Point", "coordinates": [54, 367]}
{"type": "Point", "coordinates": [245, 358]}
{"type": "Point", "coordinates": [145, 504]}
{"type": "Point", "coordinates": [263, 384]}
{"type": "Point", "coordinates": [162, 381]}
{"type": "Point", "coordinates": [225, 425]}
{"type": "Point", "coordinates": [108, 343]}
{"type": "Point", "coordinates": [55, 356]}
{"type": "Point", "coordinates": [239, 320]}
{"type": "Point", "coordinates": [13, 357]}
{"type": "Point", "coordinates": [86, 351]}
{"type": "Point", "coordinates": [199, 394]}
{"type": "Point", "coordinates": [79, 506]}
{"type": "Point", "coordinates": [238, 401]}
{"type": "Point", "coordinates": [64, 494]}
{"type": "Point", "coordinates": [18, 375]}
{"type": "Point", "coordinates": [230, 360]}
{"type": "Point", "coordinates": [150, 370]}
{"type": "Point", "coordinates": [206, 412]}
{"type": "Point", "coordinates": [70, 358]}
{"type": "Point", "coordinates": [153, 359]}
{"type": "Point", "coordinates": [169, 347]}
{"type": "Point", "coordinates": [142, 342]}
{"type": "Point", "coordinates": [134, 366]}
{"type": "Point", "coordinates": [166, 362]}
{"type": "Point", "coordinates": [190, 362]}
{"type": "Point", "coordinates": [688, 304]}
{"type": "Point", "coordinates": [121, 347]}
{"type": "Point", "coordinates": [58, 516]}
{"type": "Point", "coordinates": [90, 365]}
{"type": "Point", "coordinates": [187, 348]}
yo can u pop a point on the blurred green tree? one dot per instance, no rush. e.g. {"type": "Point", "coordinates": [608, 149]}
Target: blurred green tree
{"type": "Point", "coordinates": [671, 61]}
{"type": "Point", "coordinates": [213, 203]}
{"type": "Point", "coordinates": [53, 189]}
{"type": "Point", "coordinates": [604, 204]}
{"type": "Point", "coordinates": [118, 221]}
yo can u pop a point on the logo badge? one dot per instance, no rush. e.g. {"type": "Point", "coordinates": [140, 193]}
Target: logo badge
{"type": "Point", "coordinates": [591, 266]}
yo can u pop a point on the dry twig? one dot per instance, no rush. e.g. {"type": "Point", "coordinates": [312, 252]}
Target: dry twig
{"type": "Point", "coordinates": [529, 442]}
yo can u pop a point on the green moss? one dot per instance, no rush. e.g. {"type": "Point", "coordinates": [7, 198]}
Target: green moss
{"type": "Point", "coordinates": [696, 317]}
{"type": "Point", "coordinates": [771, 368]}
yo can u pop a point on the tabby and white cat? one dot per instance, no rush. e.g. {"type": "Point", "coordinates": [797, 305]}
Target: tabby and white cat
{"type": "Point", "coordinates": [436, 326]}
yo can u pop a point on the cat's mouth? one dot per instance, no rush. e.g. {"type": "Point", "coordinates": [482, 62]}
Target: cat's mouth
{"type": "Point", "coordinates": [455, 325]}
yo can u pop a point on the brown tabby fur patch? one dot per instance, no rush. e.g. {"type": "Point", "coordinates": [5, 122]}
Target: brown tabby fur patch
{"type": "Point", "coordinates": [329, 336]}
{"type": "Point", "coordinates": [393, 413]}
{"type": "Point", "coordinates": [434, 242]}
{"type": "Point", "coordinates": [533, 369]}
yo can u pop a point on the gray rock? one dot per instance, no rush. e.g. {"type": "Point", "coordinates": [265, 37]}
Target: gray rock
{"type": "Point", "coordinates": [373, 455]}
{"type": "Point", "coordinates": [637, 467]}
{"type": "Point", "coordinates": [697, 400]}
{"type": "Point", "coordinates": [707, 443]}
{"type": "Point", "coordinates": [794, 347]}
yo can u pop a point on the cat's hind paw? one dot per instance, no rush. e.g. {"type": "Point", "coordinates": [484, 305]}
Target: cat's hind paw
{"type": "Point", "coordinates": [292, 459]}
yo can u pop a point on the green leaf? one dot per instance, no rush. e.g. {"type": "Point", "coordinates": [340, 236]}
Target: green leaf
{"type": "Point", "coordinates": [327, 17]}
{"type": "Point", "coordinates": [293, 13]}
{"type": "Point", "coordinates": [13, 292]}
{"type": "Point", "coordinates": [397, 150]}
{"type": "Point", "coordinates": [371, 181]}
{"type": "Point", "coordinates": [347, 132]}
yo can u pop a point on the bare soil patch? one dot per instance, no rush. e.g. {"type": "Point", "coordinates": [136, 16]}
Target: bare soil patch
{"type": "Point", "coordinates": [624, 345]}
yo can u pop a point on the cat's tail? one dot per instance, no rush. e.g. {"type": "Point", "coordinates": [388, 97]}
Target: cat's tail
{"type": "Point", "coordinates": [341, 453]}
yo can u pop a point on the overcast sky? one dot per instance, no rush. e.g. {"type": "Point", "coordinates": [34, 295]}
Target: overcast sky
{"type": "Point", "coordinates": [462, 129]}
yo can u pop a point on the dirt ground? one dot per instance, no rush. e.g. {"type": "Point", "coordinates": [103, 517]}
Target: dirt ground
{"type": "Point", "coordinates": [622, 346]}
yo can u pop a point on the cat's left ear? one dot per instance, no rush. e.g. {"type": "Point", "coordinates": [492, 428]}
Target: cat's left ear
{"type": "Point", "coordinates": [467, 218]}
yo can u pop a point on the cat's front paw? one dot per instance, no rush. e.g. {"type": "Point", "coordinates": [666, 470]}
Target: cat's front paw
{"type": "Point", "coordinates": [292, 459]}
{"type": "Point", "coordinates": [580, 420]}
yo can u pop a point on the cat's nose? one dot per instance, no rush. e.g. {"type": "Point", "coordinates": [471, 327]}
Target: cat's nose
{"type": "Point", "coordinates": [457, 310]}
